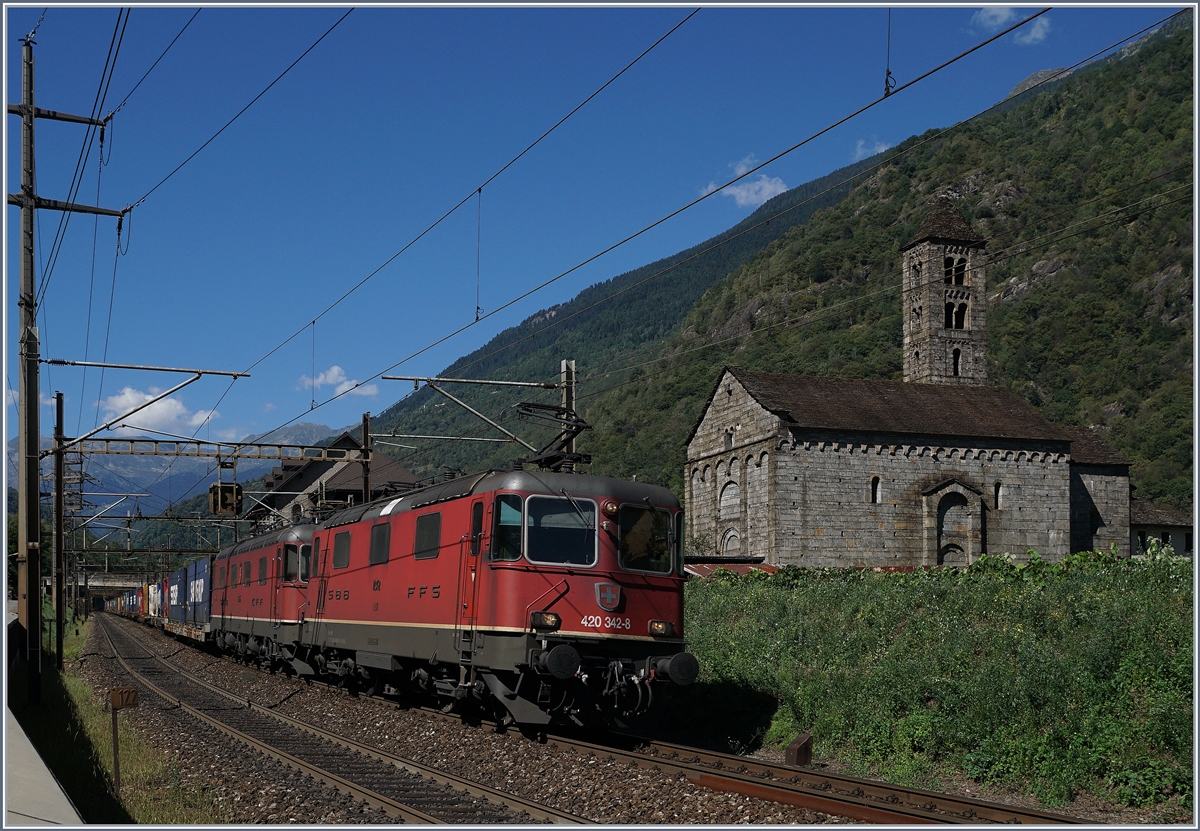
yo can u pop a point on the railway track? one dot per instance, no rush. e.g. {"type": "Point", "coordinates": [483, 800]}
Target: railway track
{"type": "Point", "coordinates": [844, 796]}
{"type": "Point", "coordinates": [400, 787]}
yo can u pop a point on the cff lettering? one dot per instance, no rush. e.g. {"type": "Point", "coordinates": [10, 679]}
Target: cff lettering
{"type": "Point", "coordinates": [421, 591]}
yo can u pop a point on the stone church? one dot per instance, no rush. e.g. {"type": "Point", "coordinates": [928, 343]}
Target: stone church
{"type": "Point", "coordinates": [935, 470]}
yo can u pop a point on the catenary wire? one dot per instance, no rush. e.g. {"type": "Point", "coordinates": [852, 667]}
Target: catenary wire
{"type": "Point", "coordinates": [466, 198]}
{"type": "Point", "coordinates": [241, 111]}
{"type": "Point", "coordinates": [849, 303]}
{"type": "Point", "coordinates": [658, 222]}
{"type": "Point", "coordinates": [442, 218]}
{"type": "Point", "coordinates": [1001, 34]}
{"type": "Point", "coordinates": [890, 159]}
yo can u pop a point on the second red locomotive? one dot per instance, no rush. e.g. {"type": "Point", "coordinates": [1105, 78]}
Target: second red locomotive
{"type": "Point", "coordinates": [549, 597]}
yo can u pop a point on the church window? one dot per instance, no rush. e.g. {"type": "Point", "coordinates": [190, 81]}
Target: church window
{"type": "Point", "coordinates": [916, 274]}
{"type": "Point", "coordinates": [874, 490]}
{"type": "Point", "coordinates": [999, 491]}
{"type": "Point", "coordinates": [960, 271]}
{"type": "Point", "coordinates": [949, 315]}
{"type": "Point", "coordinates": [948, 269]}
{"type": "Point", "coordinates": [957, 356]}
{"type": "Point", "coordinates": [730, 504]}
{"type": "Point", "coordinates": [960, 316]}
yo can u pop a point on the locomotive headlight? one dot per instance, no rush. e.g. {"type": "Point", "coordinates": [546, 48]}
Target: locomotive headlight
{"type": "Point", "coordinates": [610, 508]}
{"type": "Point", "coordinates": [663, 628]}
{"type": "Point", "coordinates": [545, 620]}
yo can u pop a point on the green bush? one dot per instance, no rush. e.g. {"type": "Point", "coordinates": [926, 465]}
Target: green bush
{"type": "Point", "coordinates": [1056, 677]}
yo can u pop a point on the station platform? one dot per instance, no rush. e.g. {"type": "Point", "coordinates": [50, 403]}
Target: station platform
{"type": "Point", "coordinates": [32, 796]}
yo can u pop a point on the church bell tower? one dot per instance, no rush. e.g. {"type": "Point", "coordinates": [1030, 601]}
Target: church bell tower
{"type": "Point", "coordinates": [944, 302]}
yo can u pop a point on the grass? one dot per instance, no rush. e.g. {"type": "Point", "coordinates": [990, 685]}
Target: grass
{"type": "Point", "coordinates": [1052, 679]}
{"type": "Point", "coordinates": [72, 731]}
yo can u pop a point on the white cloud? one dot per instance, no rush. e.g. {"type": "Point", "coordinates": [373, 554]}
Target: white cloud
{"type": "Point", "coordinates": [862, 150]}
{"type": "Point", "coordinates": [744, 165]}
{"type": "Point", "coordinates": [1034, 33]}
{"type": "Point", "coordinates": [168, 415]}
{"type": "Point", "coordinates": [994, 18]}
{"type": "Point", "coordinates": [336, 376]}
{"type": "Point", "coordinates": [268, 407]}
{"type": "Point", "coordinates": [752, 192]}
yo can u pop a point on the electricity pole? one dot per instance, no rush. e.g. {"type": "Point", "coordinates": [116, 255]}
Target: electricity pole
{"type": "Point", "coordinates": [29, 602]}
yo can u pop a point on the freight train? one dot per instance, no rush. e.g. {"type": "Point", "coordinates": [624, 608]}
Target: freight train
{"type": "Point", "coordinates": [538, 597]}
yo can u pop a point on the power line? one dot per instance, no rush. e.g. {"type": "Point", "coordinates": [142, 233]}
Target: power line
{"type": "Point", "coordinates": [645, 229]}
{"type": "Point", "coordinates": [464, 200]}
{"type": "Point", "coordinates": [888, 160]}
{"type": "Point", "coordinates": [242, 110]}
{"type": "Point", "coordinates": [850, 303]}
{"type": "Point", "coordinates": [129, 94]}
{"type": "Point", "coordinates": [110, 65]}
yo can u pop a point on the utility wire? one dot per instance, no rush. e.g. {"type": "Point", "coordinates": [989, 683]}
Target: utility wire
{"type": "Point", "coordinates": [129, 94]}
{"type": "Point", "coordinates": [850, 303]}
{"type": "Point", "coordinates": [464, 200]}
{"type": "Point", "coordinates": [654, 224]}
{"type": "Point", "coordinates": [884, 162]}
{"type": "Point", "coordinates": [479, 316]}
{"type": "Point", "coordinates": [110, 65]}
{"type": "Point", "coordinates": [241, 111]}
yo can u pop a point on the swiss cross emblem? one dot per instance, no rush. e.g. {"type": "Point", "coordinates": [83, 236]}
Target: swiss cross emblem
{"type": "Point", "coordinates": [608, 596]}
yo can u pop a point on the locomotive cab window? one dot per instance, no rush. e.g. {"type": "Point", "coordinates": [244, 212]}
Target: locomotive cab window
{"type": "Point", "coordinates": [341, 550]}
{"type": "Point", "coordinates": [428, 537]}
{"type": "Point", "coordinates": [506, 535]}
{"type": "Point", "coordinates": [679, 543]}
{"type": "Point", "coordinates": [644, 539]}
{"type": "Point", "coordinates": [381, 540]}
{"type": "Point", "coordinates": [560, 531]}
{"type": "Point", "coordinates": [296, 559]}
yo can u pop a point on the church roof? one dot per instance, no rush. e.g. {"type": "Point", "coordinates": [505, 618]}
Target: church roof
{"type": "Point", "coordinates": [1089, 448]}
{"type": "Point", "coordinates": [897, 407]}
{"type": "Point", "coordinates": [1145, 512]}
{"type": "Point", "coordinates": [945, 222]}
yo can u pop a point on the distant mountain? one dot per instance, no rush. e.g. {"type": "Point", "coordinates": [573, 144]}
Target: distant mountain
{"type": "Point", "coordinates": [170, 479]}
{"type": "Point", "coordinates": [1037, 78]}
{"type": "Point", "coordinates": [303, 432]}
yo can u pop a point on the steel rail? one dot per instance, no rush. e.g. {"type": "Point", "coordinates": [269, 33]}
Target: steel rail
{"type": "Point", "coordinates": [376, 800]}
{"type": "Point", "coordinates": [536, 810]}
{"type": "Point", "coordinates": [938, 807]}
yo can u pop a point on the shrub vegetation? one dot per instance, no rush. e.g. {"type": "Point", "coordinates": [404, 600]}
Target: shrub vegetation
{"type": "Point", "coordinates": [1055, 678]}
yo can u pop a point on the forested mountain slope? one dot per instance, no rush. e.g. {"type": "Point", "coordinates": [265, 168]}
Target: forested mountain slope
{"type": "Point", "coordinates": [1084, 192]}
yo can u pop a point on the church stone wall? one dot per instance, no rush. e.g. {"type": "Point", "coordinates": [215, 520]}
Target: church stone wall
{"type": "Point", "coordinates": [825, 517]}
{"type": "Point", "coordinates": [1100, 508]}
{"type": "Point", "coordinates": [730, 454]}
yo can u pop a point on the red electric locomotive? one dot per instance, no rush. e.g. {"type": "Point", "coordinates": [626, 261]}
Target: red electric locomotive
{"type": "Point", "coordinates": [553, 596]}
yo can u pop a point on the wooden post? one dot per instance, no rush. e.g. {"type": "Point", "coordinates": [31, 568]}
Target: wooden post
{"type": "Point", "coordinates": [122, 697]}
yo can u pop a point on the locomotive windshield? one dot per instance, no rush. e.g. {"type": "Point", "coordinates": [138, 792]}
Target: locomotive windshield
{"type": "Point", "coordinates": [506, 538]}
{"type": "Point", "coordinates": [561, 531]}
{"type": "Point", "coordinates": [645, 539]}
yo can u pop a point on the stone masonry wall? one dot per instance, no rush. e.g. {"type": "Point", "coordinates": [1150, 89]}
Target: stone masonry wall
{"type": "Point", "coordinates": [825, 516]}
{"type": "Point", "coordinates": [1103, 490]}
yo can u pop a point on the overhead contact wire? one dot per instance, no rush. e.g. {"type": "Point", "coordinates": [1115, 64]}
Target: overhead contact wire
{"type": "Point", "coordinates": [658, 222]}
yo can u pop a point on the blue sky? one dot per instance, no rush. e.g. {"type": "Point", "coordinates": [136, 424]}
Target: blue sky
{"type": "Point", "coordinates": [396, 116]}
